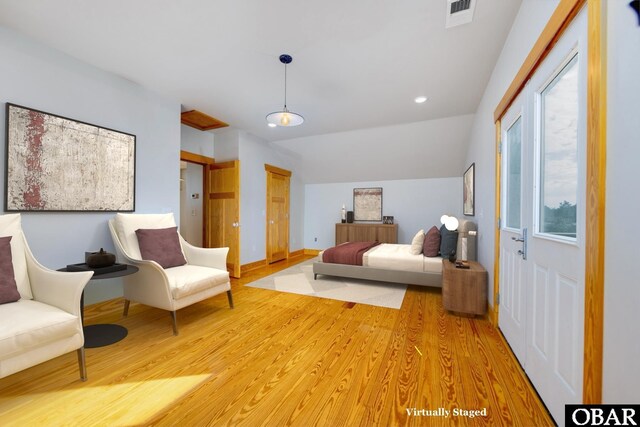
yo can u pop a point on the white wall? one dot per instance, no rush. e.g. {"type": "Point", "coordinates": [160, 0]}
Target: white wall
{"type": "Point", "coordinates": [427, 149]}
{"type": "Point", "coordinates": [36, 76]}
{"type": "Point", "coordinates": [531, 19]}
{"type": "Point", "coordinates": [196, 141]}
{"type": "Point", "coordinates": [254, 153]}
{"type": "Point", "coordinates": [414, 203]}
{"type": "Point", "coordinates": [226, 146]}
{"type": "Point", "coordinates": [621, 368]}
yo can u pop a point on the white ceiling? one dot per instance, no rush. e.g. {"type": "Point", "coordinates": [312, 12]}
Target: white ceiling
{"type": "Point", "coordinates": [356, 64]}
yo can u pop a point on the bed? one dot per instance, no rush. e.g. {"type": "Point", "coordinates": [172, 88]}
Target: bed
{"type": "Point", "coordinates": [394, 263]}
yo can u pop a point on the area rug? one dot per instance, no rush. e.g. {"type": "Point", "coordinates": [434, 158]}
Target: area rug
{"type": "Point", "coordinates": [299, 280]}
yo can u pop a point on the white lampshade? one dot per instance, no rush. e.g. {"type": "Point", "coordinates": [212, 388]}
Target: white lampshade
{"type": "Point", "coordinates": [443, 218]}
{"type": "Point", "coordinates": [451, 223]}
{"type": "Point", "coordinates": [285, 118]}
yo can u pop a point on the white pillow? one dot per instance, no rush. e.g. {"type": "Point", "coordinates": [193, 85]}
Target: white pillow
{"type": "Point", "coordinates": [416, 243]}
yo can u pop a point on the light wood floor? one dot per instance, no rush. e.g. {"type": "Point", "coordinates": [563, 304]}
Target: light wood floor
{"type": "Point", "coordinates": [281, 359]}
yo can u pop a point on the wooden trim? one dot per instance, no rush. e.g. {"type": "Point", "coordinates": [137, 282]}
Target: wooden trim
{"type": "Point", "coordinates": [201, 121]}
{"type": "Point", "coordinates": [496, 250]}
{"type": "Point", "coordinates": [313, 252]}
{"type": "Point", "coordinates": [595, 214]}
{"type": "Point", "coordinates": [227, 195]}
{"type": "Point", "coordinates": [277, 170]}
{"type": "Point", "coordinates": [561, 18]}
{"type": "Point", "coordinates": [299, 252]}
{"type": "Point", "coordinates": [205, 162]}
{"type": "Point", "coordinates": [252, 266]}
{"type": "Point", "coordinates": [595, 177]}
{"type": "Point", "coordinates": [196, 158]}
{"type": "Point", "coordinates": [225, 165]}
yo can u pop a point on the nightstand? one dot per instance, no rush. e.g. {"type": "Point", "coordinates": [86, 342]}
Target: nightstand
{"type": "Point", "coordinates": [464, 290]}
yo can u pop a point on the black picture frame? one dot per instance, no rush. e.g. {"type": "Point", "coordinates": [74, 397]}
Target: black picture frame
{"type": "Point", "coordinates": [469, 190]}
{"type": "Point", "coordinates": [57, 164]}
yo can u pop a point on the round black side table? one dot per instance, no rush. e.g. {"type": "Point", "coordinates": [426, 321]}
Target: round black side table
{"type": "Point", "coordinates": [104, 334]}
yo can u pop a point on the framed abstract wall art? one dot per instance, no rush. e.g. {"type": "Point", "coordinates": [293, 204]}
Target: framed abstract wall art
{"type": "Point", "coordinates": [54, 163]}
{"type": "Point", "coordinates": [367, 204]}
{"type": "Point", "coordinates": [468, 191]}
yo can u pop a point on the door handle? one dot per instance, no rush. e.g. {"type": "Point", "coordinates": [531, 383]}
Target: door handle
{"type": "Point", "coordinates": [523, 239]}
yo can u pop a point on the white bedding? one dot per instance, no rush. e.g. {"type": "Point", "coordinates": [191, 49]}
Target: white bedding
{"type": "Point", "coordinates": [398, 257]}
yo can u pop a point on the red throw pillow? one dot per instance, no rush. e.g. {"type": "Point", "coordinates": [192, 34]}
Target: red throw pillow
{"type": "Point", "coordinates": [161, 245]}
{"type": "Point", "coordinates": [431, 245]}
{"type": "Point", "coordinates": [8, 287]}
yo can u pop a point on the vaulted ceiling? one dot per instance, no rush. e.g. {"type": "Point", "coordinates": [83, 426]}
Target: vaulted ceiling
{"type": "Point", "coordinates": [356, 64]}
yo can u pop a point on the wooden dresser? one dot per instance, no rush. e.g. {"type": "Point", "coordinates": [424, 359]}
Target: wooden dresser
{"type": "Point", "coordinates": [362, 232]}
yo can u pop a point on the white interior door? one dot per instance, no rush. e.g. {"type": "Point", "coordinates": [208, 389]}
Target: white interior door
{"type": "Point", "coordinates": [550, 280]}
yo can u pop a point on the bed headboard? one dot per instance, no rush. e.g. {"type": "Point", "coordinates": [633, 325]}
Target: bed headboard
{"type": "Point", "coordinates": [467, 236]}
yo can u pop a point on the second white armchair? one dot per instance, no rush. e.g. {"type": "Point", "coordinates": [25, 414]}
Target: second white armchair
{"type": "Point", "coordinates": [204, 274]}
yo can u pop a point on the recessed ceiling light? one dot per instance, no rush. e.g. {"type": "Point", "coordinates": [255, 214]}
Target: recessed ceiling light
{"type": "Point", "coordinates": [420, 99]}
{"type": "Point", "coordinates": [271, 125]}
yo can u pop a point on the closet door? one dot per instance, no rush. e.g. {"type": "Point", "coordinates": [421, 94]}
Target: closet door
{"type": "Point", "coordinates": [278, 183]}
{"type": "Point", "coordinates": [224, 211]}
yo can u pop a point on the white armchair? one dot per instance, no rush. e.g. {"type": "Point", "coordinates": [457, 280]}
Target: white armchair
{"type": "Point", "coordinates": [205, 274]}
{"type": "Point", "coordinates": [46, 321]}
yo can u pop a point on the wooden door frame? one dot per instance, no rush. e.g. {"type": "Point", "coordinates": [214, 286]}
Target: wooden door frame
{"type": "Point", "coordinates": [204, 161]}
{"type": "Point", "coordinates": [278, 171]}
{"type": "Point", "coordinates": [595, 174]}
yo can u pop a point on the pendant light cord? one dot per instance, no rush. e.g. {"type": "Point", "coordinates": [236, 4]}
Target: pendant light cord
{"type": "Point", "coordinates": [285, 87]}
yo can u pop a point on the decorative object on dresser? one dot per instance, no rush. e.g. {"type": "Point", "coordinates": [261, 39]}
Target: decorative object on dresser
{"type": "Point", "coordinates": [58, 164]}
{"type": "Point", "coordinates": [352, 232]}
{"type": "Point", "coordinates": [343, 214]}
{"type": "Point", "coordinates": [468, 191]}
{"type": "Point", "coordinates": [464, 290]}
{"type": "Point", "coordinates": [350, 217]}
{"type": "Point", "coordinates": [367, 204]}
{"type": "Point", "coordinates": [387, 220]}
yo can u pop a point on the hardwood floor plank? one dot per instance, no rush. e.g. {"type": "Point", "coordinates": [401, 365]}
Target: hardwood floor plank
{"type": "Point", "coordinates": [281, 359]}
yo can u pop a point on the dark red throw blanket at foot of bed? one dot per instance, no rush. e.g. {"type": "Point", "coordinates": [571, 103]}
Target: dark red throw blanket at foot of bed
{"type": "Point", "coordinates": [347, 253]}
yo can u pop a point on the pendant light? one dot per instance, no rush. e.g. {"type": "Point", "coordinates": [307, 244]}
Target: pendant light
{"type": "Point", "coordinates": [285, 117]}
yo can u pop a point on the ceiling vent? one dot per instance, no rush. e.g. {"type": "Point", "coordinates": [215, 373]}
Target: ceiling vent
{"type": "Point", "coordinates": [459, 12]}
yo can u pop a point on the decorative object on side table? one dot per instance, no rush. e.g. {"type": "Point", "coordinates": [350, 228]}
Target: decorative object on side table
{"type": "Point", "coordinates": [468, 191]}
{"type": "Point", "coordinates": [367, 204]}
{"type": "Point", "coordinates": [99, 259]}
{"type": "Point", "coordinates": [387, 220]}
{"type": "Point", "coordinates": [350, 217]}
{"type": "Point", "coordinates": [343, 214]}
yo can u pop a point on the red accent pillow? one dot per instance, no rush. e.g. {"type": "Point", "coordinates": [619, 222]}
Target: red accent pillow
{"type": "Point", "coordinates": [161, 245]}
{"type": "Point", "coordinates": [431, 245]}
{"type": "Point", "coordinates": [8, 287]}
